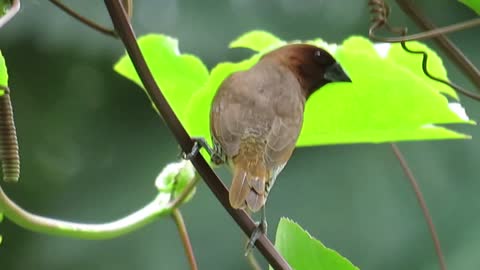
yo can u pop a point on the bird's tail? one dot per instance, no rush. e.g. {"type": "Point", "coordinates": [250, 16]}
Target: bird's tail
{"type": "Point", "coordinates": [250, 178]}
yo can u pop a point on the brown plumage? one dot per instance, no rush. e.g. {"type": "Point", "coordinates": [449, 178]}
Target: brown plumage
{"type": "Point", "coordinates": [257, 115]}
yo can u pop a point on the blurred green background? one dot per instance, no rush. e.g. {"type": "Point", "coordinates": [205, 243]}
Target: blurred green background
{"type": "Point", "coordinates": [92, 146]}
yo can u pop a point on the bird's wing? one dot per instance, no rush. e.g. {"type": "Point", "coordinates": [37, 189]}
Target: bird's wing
{"type": "Point", "coordinates": [284, 130]}
{"type": "Point", "coordinates": [237, 114]}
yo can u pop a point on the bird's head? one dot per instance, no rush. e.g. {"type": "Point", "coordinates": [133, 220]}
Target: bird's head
{"type": "Point", "coordinates": [314, 67]}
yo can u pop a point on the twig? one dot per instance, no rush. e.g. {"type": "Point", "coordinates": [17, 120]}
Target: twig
{"type": "Point", "coordinates": [434, 32]}
{"type": "Point", "coordinates": [182, 230]}
{"type": "Point", "coordinates": [12, 11]}
{"type": "Point", "coordinates": [84, 20]}
{"type": "Point", "coordinates": [423, 205]}
{"type": "Point", "coordinates": [125, 31]}
{"type": "Point", "coordinates": [455, 54]}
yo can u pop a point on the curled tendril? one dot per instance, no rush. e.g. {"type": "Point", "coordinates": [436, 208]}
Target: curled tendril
{"type": "Point", "coordinates": [8, 139]}
{"type": "Point", "coordinates": [380, 12]}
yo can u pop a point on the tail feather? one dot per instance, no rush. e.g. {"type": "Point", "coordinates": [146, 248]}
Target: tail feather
{"type": "Point", "coordinates": [239, 189]}
{"type": "Point", "coordinates": [248, 184]}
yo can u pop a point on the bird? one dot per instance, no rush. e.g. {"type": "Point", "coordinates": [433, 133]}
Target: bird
{"type": "Point", "coordinates": [256, 117]}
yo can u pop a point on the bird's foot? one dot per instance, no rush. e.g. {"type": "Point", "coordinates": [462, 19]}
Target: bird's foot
{"type": "Point", "coordinates": [259, 230]}
{"type": "Point", "coordinates": [199, 143]}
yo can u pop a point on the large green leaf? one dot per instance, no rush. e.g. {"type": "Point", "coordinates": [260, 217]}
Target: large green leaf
{"type": "Point", "coordinates": [303, 252]}
{"type": "Point", "coordinates": [178, 75]}
{"type": "Point", "coordinates": [390, 99]}
{"type": "Point", "coordinates": [387, 101]}
{"type": "Point", "coordinates": [3, 73]}
{"type": "Point", "coordinates": [257, 40]}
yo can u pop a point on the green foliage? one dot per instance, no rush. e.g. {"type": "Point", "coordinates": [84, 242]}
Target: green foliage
{"type": "Point", "coordinates": [303, 252]}
{"type": "Point", "coordinates": [473, 4]}
{"type": "Point", "coordinates": [390, 99]}
{"type": "Point", "coordinates": [4, 82]}
{"type": "Point", "coordinates": [178, 75]}
{"type": "Point", "coordinates": [1, 219]}
{"type": "Point", "coordinates": [3, 73]}
{"type": "Point", "coordinates": [4, 6]}
{"type": "Point", "coordinates": [257, 40]}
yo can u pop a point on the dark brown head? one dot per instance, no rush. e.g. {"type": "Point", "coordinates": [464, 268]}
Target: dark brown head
{"type": "Point", "coordinates": [314, 67]}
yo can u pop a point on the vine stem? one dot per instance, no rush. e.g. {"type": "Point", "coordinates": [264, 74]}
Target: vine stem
{"type": "Point", "coordinates": [182, 230]}
{"type": "Point", "coordinates": [58, 227]}
{"type": "Point", "coordinates": [423, 205]}
{"type": "Point", "coordinates": [160, 206]}
{"type": "Point", "coordinates": [84, 20]}
{"type": "Point", "coordinates": [452, 51]}
{"type": "Point", "coordinates": [127, 35]}
{"type": "Point", "coordinates": [12, 11]}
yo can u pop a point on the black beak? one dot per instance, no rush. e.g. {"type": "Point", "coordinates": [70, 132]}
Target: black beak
{"type": "Point", "coordinates": [335, 73]}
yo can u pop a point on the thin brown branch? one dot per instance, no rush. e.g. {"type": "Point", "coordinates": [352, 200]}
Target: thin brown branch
{"type": "Point", "coordinates": [423, 205]}
{"type": "Point", "coordinates": [455, 54]}
{"type": "Point", "coordinates": [84, 20]}
{"type": "Point", "coordinates": [380, 12]}
{"type": "Point", "coordinates": [433, 32]}
{"type": "Point", "coordinates": [12, 11]}
{"type": "Point", "coordinates": [182, 230]}
{"type": "Point", "coordinates": [125, 31]}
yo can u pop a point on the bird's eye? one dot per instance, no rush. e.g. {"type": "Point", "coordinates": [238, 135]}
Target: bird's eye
{"type": "Point", "coordinates": [321, 57]}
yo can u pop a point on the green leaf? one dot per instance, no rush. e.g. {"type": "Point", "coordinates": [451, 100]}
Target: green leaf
{"type": "Point", "coordinates": [473, 4]}
{"type": "Point", "coordinates": [387, 101]}
{"type": "Point", "coordinates": [413, 63]}
{"type": "Point", "coordinates": [257, 40]}
{"type": "Point", "coordinates": [178, 75]}
{"type": "Point", "coordinates": [4, 6]}
{"type": "Point", "coordinates": [3, 73]}
{"type": "Point", "coordinates": [303, 252]}
{"type": "Point", "coordinates": [1, 219]}
{"type": "Point", "coordinates": [390, 99]}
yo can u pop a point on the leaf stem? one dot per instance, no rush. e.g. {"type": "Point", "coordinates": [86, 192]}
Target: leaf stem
{"type": "Point", "coordinates": [182, 230]}
{"type": "Point", "coordinates": [423, 205]}
{"type": "Point", "coordinates": [126, 33]}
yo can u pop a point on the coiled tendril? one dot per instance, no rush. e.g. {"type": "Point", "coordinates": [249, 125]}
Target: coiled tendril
{"type": "Point", "coordinates": [8, 139]}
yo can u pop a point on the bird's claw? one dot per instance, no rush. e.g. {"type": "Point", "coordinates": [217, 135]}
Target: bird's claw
{"type": "Point", "coordinates": [195, 149]}
{"type": "Point", "coordinates": [259, 230]}
{"type": "Point", "coordinates": [199, 143]}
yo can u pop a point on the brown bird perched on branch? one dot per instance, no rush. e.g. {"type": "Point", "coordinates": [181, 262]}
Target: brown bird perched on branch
{"type": "Point", "coordinates": [257, 115]}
